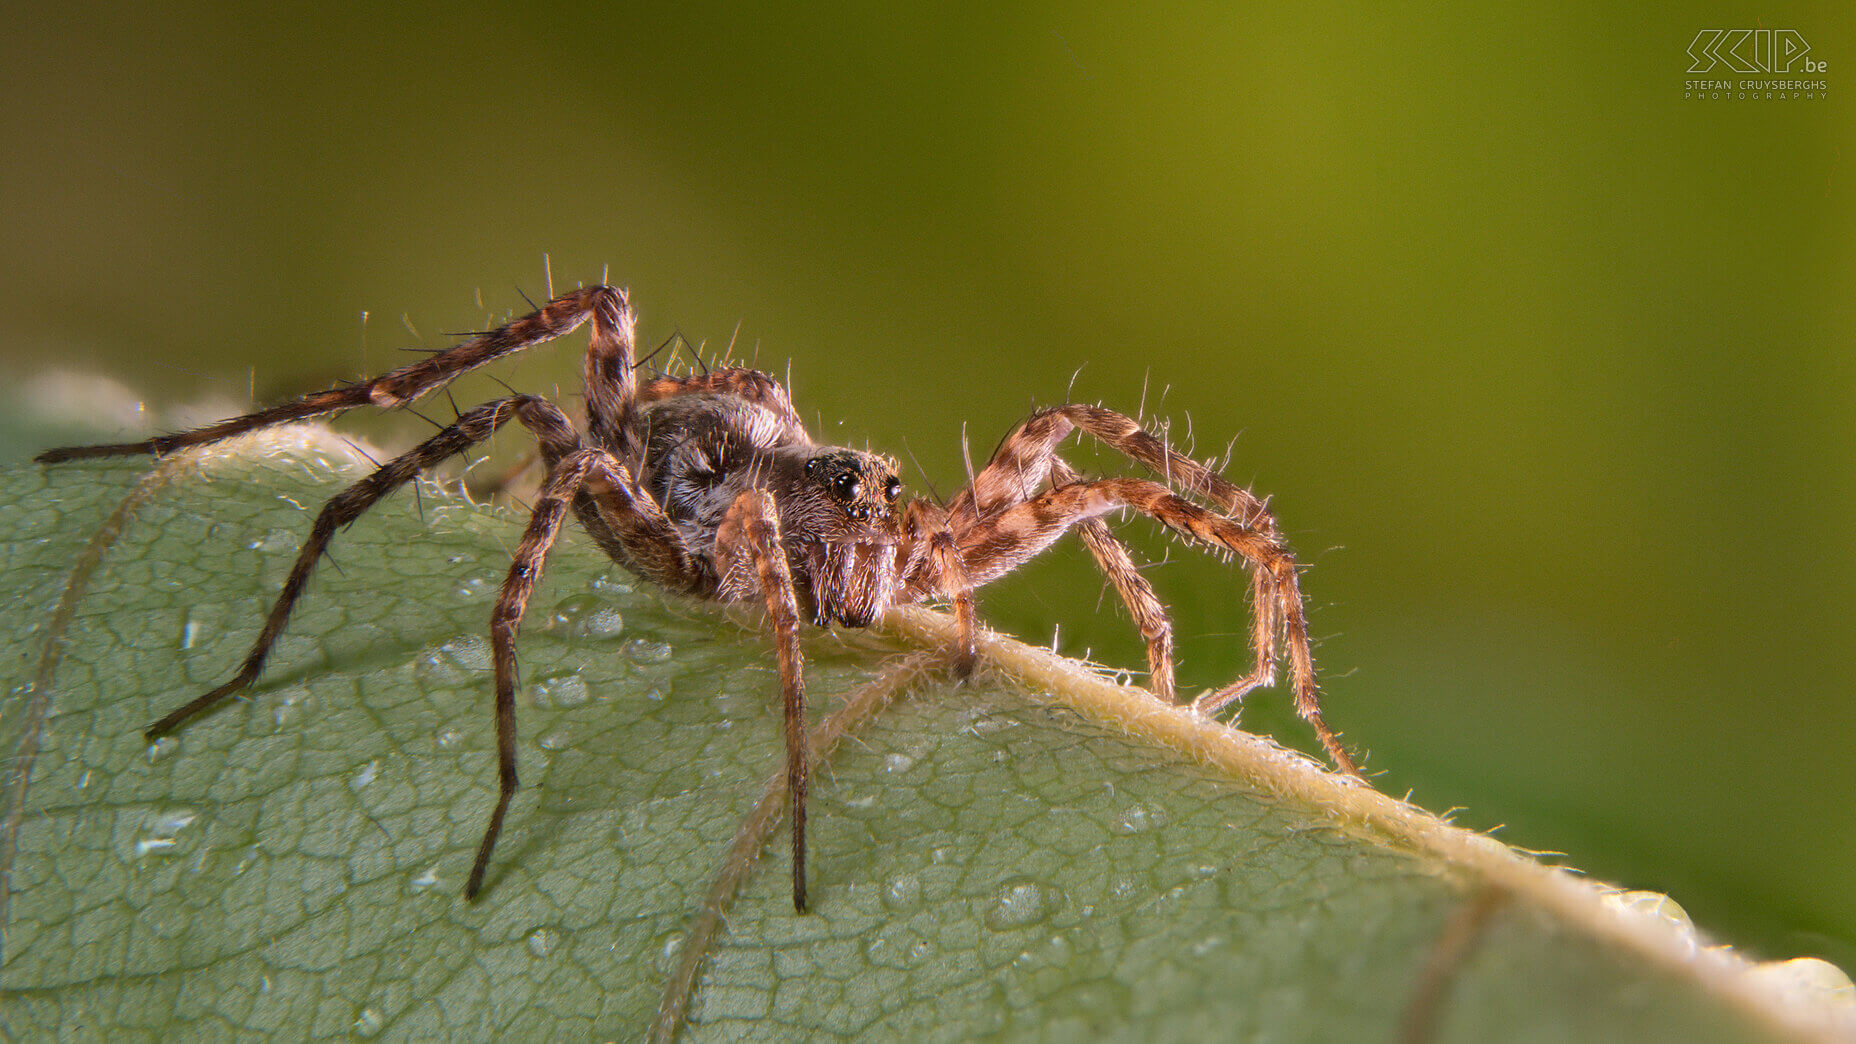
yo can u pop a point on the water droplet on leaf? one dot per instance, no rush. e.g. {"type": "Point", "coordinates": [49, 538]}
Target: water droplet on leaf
{"type": "Point", "coordinates": [586, 616]}
{"type": "Point", "coordinates": [163, 827]}
{"type": "Point", "coordinates": [461, 660]}
{"type": "Point", "coordinates": [368, 1022]}
{"type": "Point", "coordinates": [542, 941]}
{"type": "Point", "coordinates": [647, 650]}
{"type": "Point", "coordinates": [1022, 902]}
{"type": "Point", "coordinates": [563, 689]}
{"type": "Point", "coordinates": [903, 893]}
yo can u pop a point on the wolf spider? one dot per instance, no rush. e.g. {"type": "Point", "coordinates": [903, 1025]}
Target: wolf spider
{"type": "Point", "coordinates": [709, 485]}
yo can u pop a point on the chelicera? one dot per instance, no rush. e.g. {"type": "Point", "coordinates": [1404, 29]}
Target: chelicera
{"type": "Point", "coordinates": [709, 485]}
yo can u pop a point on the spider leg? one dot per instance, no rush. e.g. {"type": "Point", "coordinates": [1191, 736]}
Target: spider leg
{"type": "Point", "coordinates": [632, 529]}
{"type": "Point", "coordinates": [609, 355]}
{"type": "Point", "coordinates": [1149, 613]}
{"type": "Point", "coordinates": [566, 477]}
{"type": "Point", "coordinates": [1024, 457]}
{"type": "Point", "coordinates": [941, 571]}
{"type": "Point", "coordinates": [558, 438]}
{"type": "Point", "coordinates": [995, 545]}
{"type": "Point", "coordinates": [751, 532]}
{"type": "Point", "coordinates": [933, 567]}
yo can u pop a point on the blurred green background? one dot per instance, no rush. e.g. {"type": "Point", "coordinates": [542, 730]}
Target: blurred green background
{"type": "Point", "coordinates": [1547, 368]}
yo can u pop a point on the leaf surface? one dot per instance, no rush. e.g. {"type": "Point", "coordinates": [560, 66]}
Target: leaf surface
{"type": "Point", "coordinates": [1008, 857]}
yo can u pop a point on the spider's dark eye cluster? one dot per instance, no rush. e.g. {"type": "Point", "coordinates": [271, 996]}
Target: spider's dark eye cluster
{"type": "Point", "coordinates": [846, 486]}
{"type": "Point", "coordinates": [892, 489]}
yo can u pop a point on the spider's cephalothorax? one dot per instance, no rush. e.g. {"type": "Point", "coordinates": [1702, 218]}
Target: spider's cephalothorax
{"type": "Point", "coordinates": [708, 484]}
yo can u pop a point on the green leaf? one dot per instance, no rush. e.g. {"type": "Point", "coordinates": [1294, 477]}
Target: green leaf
{"type": "Point", "coordinates": [1037, 853]}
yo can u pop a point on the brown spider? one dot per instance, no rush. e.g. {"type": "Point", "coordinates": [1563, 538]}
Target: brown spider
{"type": "Point", "coordinates": [709, 485]}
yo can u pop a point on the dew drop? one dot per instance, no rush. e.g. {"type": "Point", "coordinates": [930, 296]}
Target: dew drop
{"type": "Point", "coordinates": [461, 660]}
{"type": "Point", "coordinates": [445, 739]}
{"type": "Point", "coordinates": [898, 763]}
{"type": "Point", "coordinates": [163, 827]}
{"type": "Point", "coordinates": [903, 893]}
{"type": "Point", "coordinates": [424, 881]}
{"type": "Point", "coordinates": [1654, 905]}
{"type": "Point", "coordinates": [1022, 902]}
{"type": "Point", "coordinates": [542, 941]}
{"type": "Point", "coordinates": [163, 748]}
{"type": "Point", "coordinates": [1136, 819]}
{"type": "Point", "coordinates": [189, 632]}
{"type": "Point", "coordinates": [368, 1022]}
{"type": "Point", "coordinates": [152, 845]}
{"type": "Point", "coordinates": [610, 584]}
{"type": "Point", "coordinates": [586, 616]}
{"type": "Point", "coordinates": [669, 948]}
{"type": "Point", "coordinates": [1052, 952]}
{"type": "Point", "coordinates": [647, 650]}
{"type": "Point", "coordinates": [1808, 980]}
{"type": "Point", "coordinates": [275, 540]}
{"type": "Point", "coordinates": [555, 741]}
{"type": "Point", "coordinates": [563, 689]}
{"type": "Point", "coordinates": [897, 946]}
{"type": "Point", "coordinates": [288, 709]}
{"type": "Point", "coordinates": [472, 589]}
{"type": "Point", "coordinates": [365, 776]}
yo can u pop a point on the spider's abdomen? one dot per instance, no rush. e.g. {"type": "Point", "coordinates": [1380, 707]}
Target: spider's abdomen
{"type": "Point", "coordinates": [702, 451]}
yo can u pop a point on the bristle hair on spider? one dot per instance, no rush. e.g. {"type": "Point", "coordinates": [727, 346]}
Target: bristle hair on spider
{"type": "Point", "coordinates": [709, 485]}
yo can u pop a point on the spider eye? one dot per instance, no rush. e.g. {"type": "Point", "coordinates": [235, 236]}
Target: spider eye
{"type": "Point", "coordinates": [893, 489]}
{"type": "Point", "coordinates": [846, 486]}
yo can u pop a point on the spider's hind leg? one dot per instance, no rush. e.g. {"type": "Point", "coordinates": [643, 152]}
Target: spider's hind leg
{"type": "Point", "coordinates": [551, 427]}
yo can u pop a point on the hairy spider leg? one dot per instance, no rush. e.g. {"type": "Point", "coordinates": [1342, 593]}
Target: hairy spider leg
{"type": "Point", "coordinates": [751, 531]}
{"type": "Point", "coordinates": [557, 437]}
{"type": "Point", "coordinates": [995, 545]}
{"type": "Point", "coordinates": [1018, 467]}
{"type": "Point", "coordinates": [1148, 612]}
{"type": "Point", "coordinates": [607, 307]}
{"type": "Point", "coordinates": [1027, 456]}
{"type": "Point", "coordinates": [587, 469]}
{"type": "Point", "coordinates": [932, 568]}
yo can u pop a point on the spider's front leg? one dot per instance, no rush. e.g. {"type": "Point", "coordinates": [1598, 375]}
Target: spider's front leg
{"type": "Point", "coordinates": [996, 544]}
{"type": "Point", "coordinates": [749, 538]}
{"type": "Point", "coordinates": [1137, 594]}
